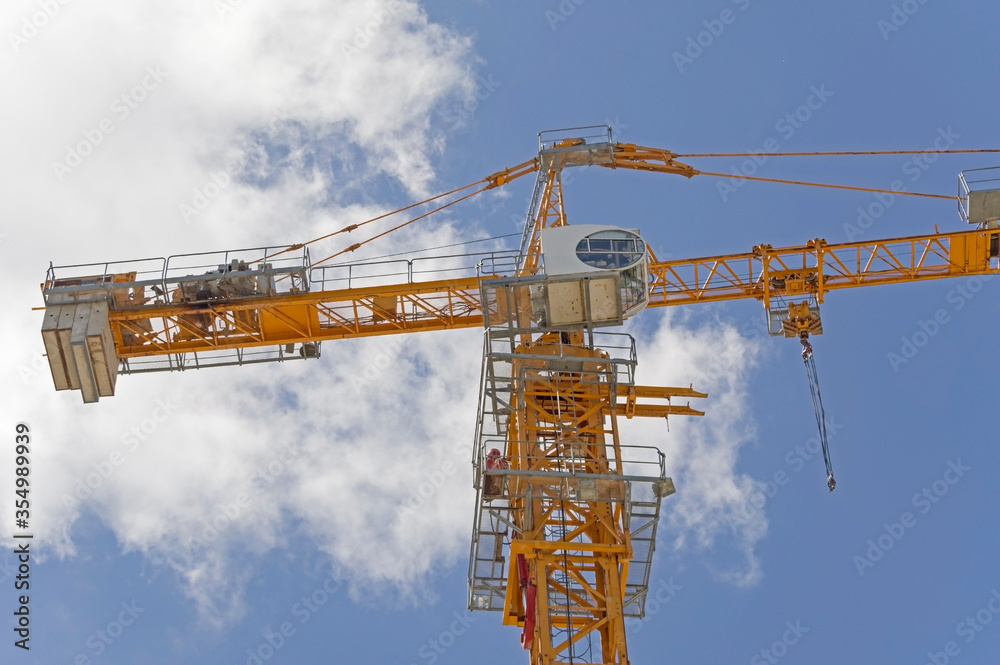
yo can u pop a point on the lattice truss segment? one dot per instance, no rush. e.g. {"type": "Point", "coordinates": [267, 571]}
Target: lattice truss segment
{"type": "Point", "coordinates": [152, 313]}
{"type": "Point", "coordinates": [565, 525]}
{"type": "Point", "coordinates": [244, 306]}
{"type": "Point", "coordinates": [818, 267]}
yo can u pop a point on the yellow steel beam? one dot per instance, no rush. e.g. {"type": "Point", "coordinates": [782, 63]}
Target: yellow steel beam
{"type": "Point", "coordinates": [631, 156]}
{"type": "Point", "coordinates": [521, 546]}
{"type": "Point", "coordinates": [656, 411]}
{"type": "Point", "coordinates": [561, 418]}
{"type": "Point", "coordinates": [763, 274]}
{"type": "Point", "coordinates": [299, 317]}
{"type": "Point", "coordinates": [818, 267]}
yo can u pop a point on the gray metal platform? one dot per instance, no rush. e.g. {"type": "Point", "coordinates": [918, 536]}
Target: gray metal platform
{"type": "Point", "coordinates": [643, 476]}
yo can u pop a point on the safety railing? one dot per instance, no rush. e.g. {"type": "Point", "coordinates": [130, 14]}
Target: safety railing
{"type": "Point", "coordinates": [252, 271]}
{"type": "Point", "coordinates": [979, 195]}
{"type": "Point", "coordinates": [368, 274]}
{"type": "Point", "coordinates": [587, 135]}
{"type": "Point", "coordinates": [179, 362]}
{"type": "Point", "coordinates": [637, 463]}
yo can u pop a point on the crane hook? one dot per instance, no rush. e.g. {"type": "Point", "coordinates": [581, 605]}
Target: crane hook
{"type": "Point", "coordinates": [807, 349]}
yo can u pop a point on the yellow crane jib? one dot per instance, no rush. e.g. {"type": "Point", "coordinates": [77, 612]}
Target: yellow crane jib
{"type": "Point", "coordinates": [152, 329]}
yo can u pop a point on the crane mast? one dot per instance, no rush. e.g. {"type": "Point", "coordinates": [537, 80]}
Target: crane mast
{"type": "Point", "coordinates": [566, 512]}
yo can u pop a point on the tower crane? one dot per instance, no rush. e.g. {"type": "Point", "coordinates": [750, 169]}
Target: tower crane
{"type": "Point", "coordinates": [566, 514]}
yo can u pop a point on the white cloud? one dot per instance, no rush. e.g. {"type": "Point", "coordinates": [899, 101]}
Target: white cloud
{"type": "Point", "coordinates": [256, 455]}
{"type": "Point", "coordinates": [702, 452]}
{"type": "Point", "coordinates": [308, 135]}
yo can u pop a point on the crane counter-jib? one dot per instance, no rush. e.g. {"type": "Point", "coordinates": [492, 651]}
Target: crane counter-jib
{"type": "Point", "coordinates": [254, 305]}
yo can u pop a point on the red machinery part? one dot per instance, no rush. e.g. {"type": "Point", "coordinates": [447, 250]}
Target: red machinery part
{"type": "Point", "coordinates": [529, 616]}
{"type": "Point", "coordinates": [522, 571]}
{"type": "Point", "coordinates": [529, 591]}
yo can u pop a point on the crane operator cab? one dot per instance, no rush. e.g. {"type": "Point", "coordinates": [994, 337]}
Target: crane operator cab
{"type": "Point", "coordinates": [595, 275]}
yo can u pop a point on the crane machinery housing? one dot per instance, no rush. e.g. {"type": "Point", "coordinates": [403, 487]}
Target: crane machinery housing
{"type": "Point", "coordinates": [565, 514]}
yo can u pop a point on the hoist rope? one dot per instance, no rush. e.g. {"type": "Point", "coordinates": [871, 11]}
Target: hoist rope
{"type": "Point", "coordinates": [817, 398]}
{"type": "Point", "coordinates": [569, 617]}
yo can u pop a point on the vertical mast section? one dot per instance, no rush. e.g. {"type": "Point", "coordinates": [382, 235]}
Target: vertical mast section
{"type": "Point", "coordinates": [566, 515]}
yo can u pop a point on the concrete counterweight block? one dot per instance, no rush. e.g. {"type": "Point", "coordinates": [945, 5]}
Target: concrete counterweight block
{"type": "Point", "coordinates": [80, 348]}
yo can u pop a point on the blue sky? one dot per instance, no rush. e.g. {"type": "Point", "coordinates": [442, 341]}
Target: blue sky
{"type": "Point", "coordinates": [319, 128]}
